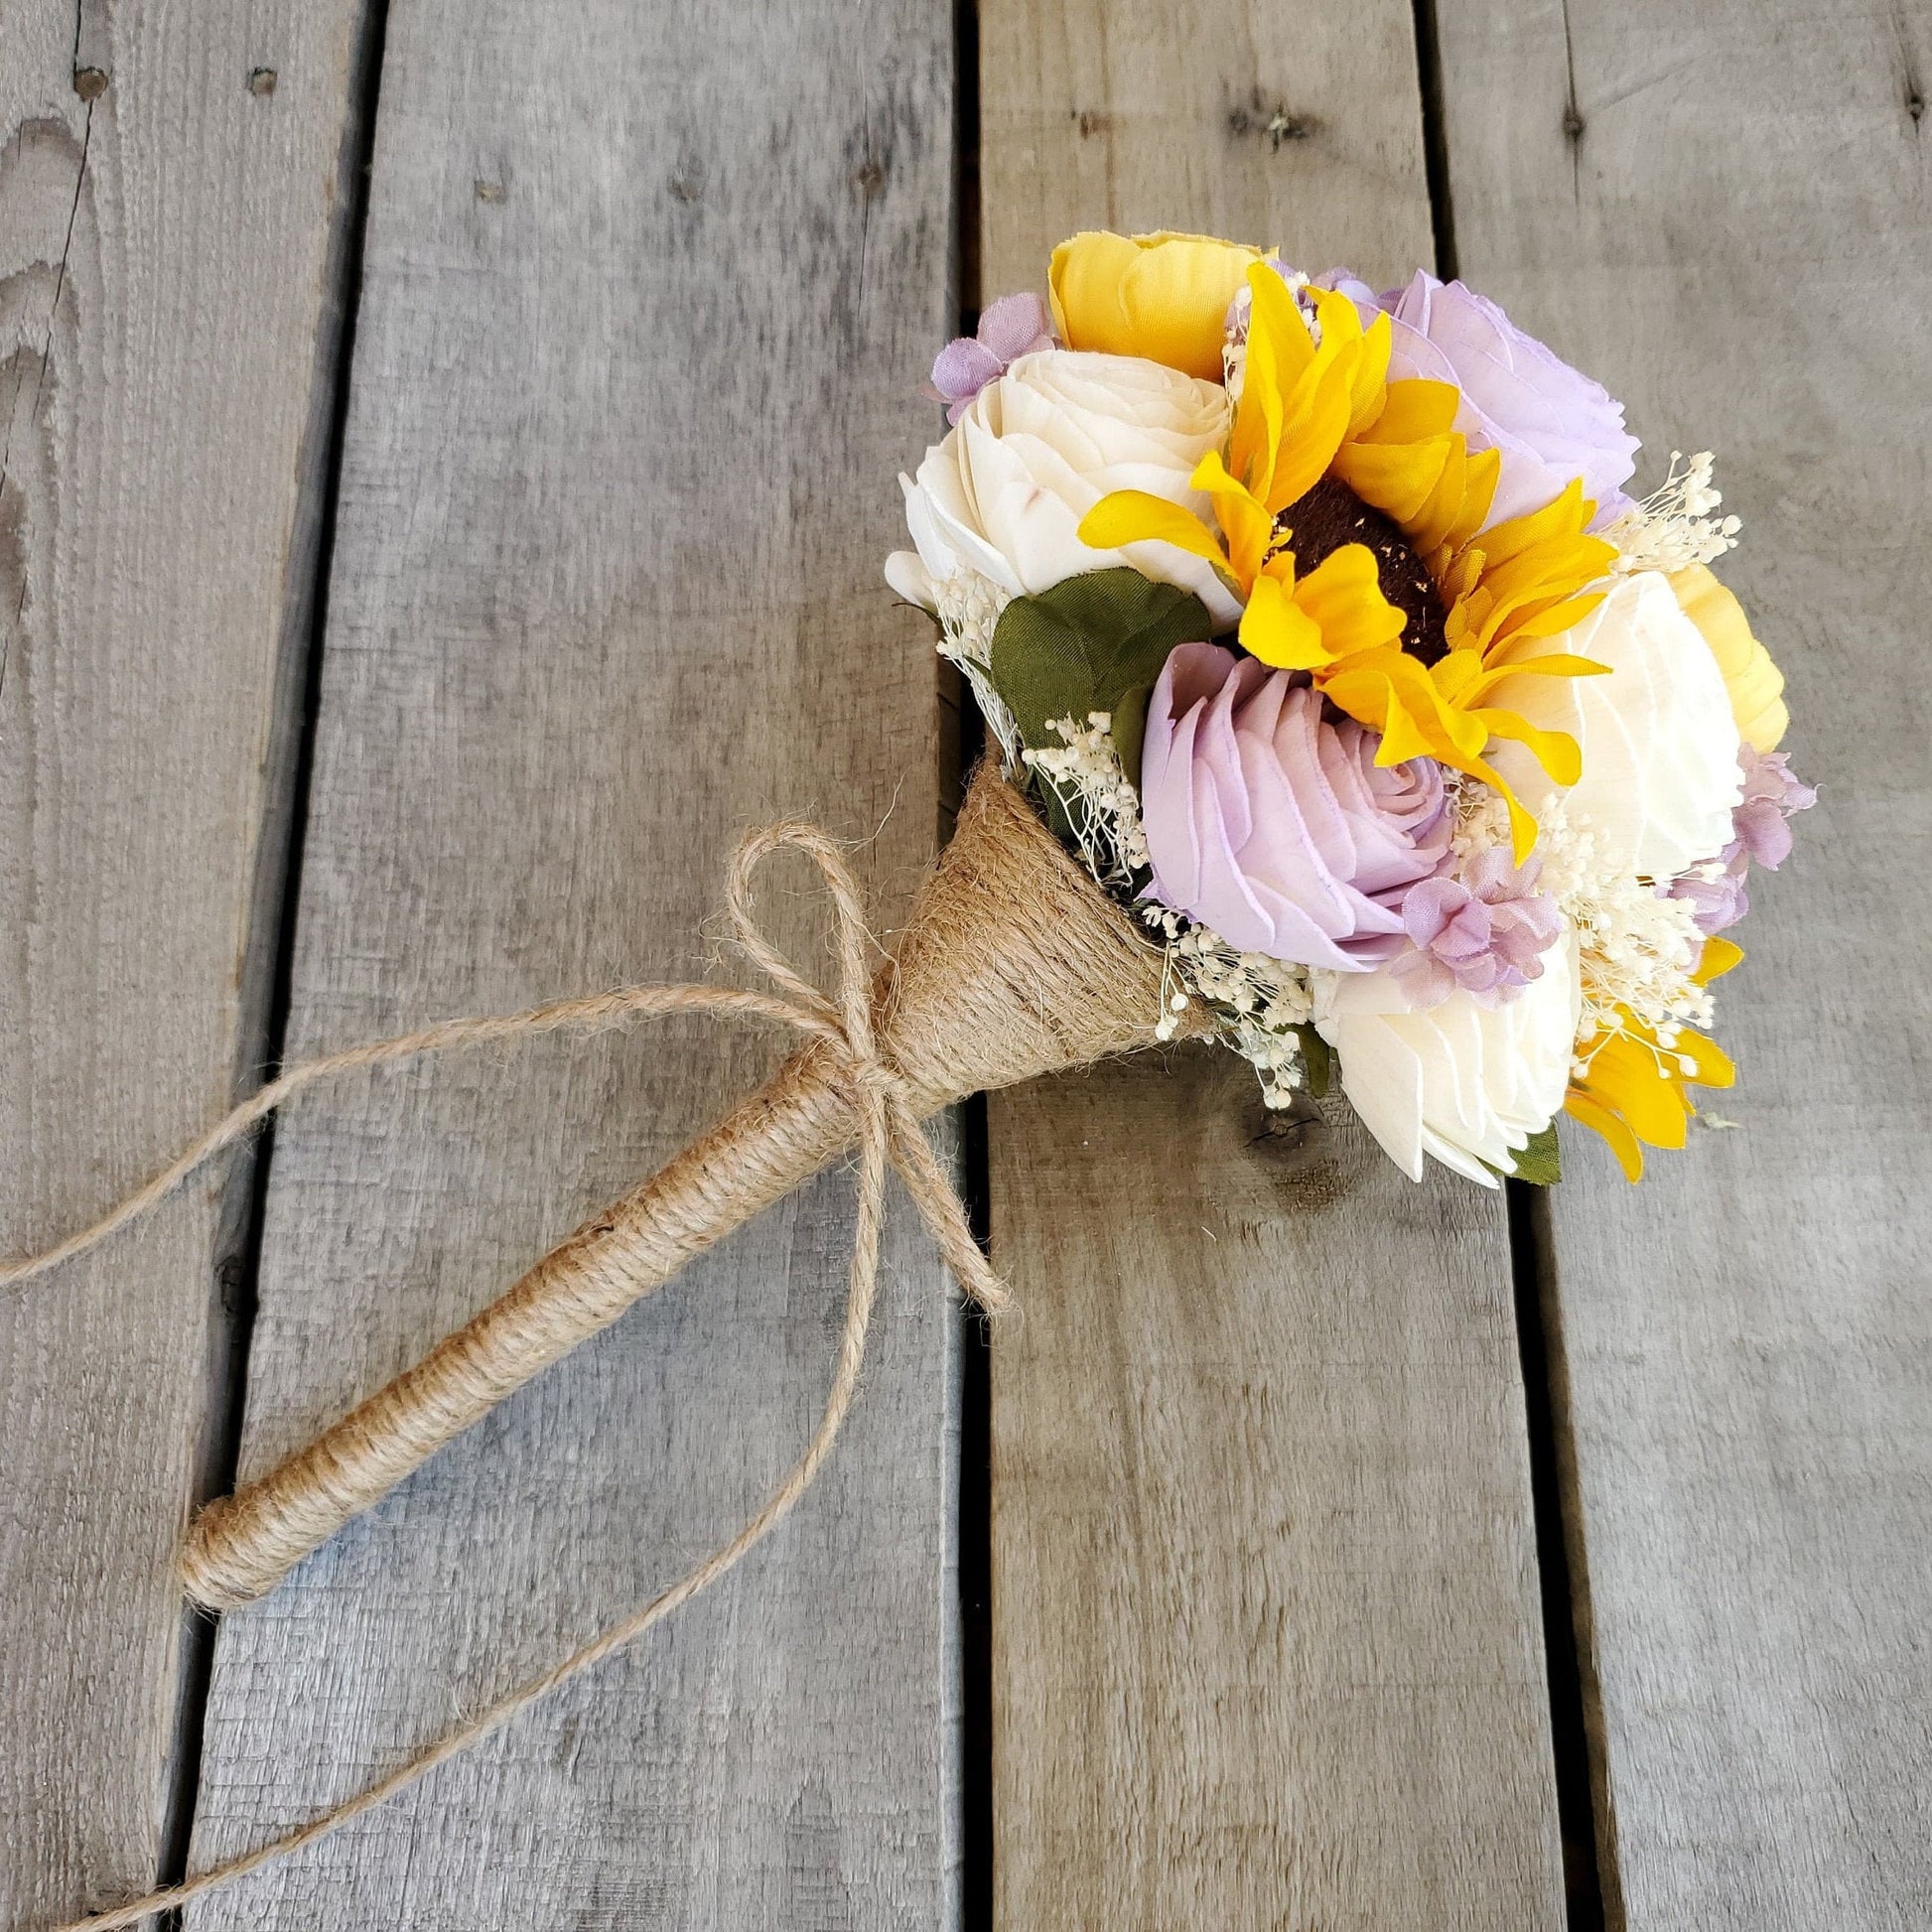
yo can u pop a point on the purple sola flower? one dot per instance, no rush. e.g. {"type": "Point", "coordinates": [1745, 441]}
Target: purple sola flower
{"type": "Point", "coordinates": [1760, 830]}
{"type": "Point", "coordinates": [1481, 929]}
{"type": "Point", "coordinates": [1276, 826]}
{"type": "Point", "coordinates": [1013, 327]}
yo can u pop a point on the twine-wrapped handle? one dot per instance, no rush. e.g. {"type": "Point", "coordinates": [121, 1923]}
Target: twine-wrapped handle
{"type": "Point", "coordinates": [1013, 965]}
{"type": "Point", "coordinates": [817, 1105]}
{"type": "Point", "coordinates": [242, 1545]}
{"type": "Point", "coordinates": [850, 1082]}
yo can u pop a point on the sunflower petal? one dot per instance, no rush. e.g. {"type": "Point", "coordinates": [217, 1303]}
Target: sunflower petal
{"type": "Point", "coordinates": [1625, 1074]}
{"type": "Point", "coordinates": [1712, 1066]}
{"type": "Point", "coordinates": [1343, 595]}
{"type": "Point", "coordinates": [1248, 527]}
{"type": "Point", "coordinates": [1551, 664]}
{"type": "Point", "coordinates": [1415, 408]}
{"type": "Point", "coordinates": [1401, 737]}
{"type": "Point", "coordinates": [1257, 432]}
{"type": "Point", "coordinates": [1719, 956]}
{"type": "Point", "coordinates": [1314, 429]}
{"type": "Point", "coordinates": [1368, 383]}
{"type": "Point", "coordinates": [1395, 478]}
{"type": "Point", "coordinates": [1522, 825]}
{"type": "Point", "coordinates": [1556, 752]}
{"type": "Point", "coordinates": [1278, 631]}
{"type": "Point", "coordinates": [1600, 1120]}
{"type": "Point", "coordinates": [1565, 515]}
{"type": "Point", "coordinates": [1135, 516]}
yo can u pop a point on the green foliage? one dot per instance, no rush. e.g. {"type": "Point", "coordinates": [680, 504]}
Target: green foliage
{"type": "Point", "coordinates": [1092, 643]}
{"type": "Point", "coordinates": [1319, 1060]}
{"type": "Point", "coordinates": [1539, 1163]}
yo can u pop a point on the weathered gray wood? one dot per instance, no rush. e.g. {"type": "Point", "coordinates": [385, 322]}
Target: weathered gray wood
{"type": "Point", "coordinates": [647, 295]}
{"type": "Point", "coordinates": [1737, 239]}
{"type": "Point", "coordinates": [1267, 1644]}
{"type": "Point", "coordinates": [166, 333]}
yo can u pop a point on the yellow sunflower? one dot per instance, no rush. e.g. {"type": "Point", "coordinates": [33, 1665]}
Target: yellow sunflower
{"type": "Point", "coordinates": [1299, 403]}
{"type": "Point", "coordinates": [1312, 408]}
{"type": "Point", "coordinates": [1634, 1091]}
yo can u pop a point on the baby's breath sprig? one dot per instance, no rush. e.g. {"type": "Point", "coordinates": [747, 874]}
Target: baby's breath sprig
{"type": "Point", "coordinates": [1638, 948]}
{"type": "Point", "coordinates": [1673, 528]}
{"type": "Point", "coordinates": [1096, 799]}
{"type": "Point", "coordinates": [968, 605]}
{"type": "Point", "coordinates": [1257, 1002]}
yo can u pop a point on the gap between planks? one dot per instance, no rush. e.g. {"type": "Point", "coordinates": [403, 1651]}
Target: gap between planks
{"type": "Point", "coordinates": [271, 947]}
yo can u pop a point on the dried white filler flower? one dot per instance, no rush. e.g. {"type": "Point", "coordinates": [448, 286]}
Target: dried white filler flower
{"type": "Point", "coordinates": [1637, 947]}
{"type": "Point", "coordinates": [968, 605]}
{"type": "Point", "coordinates": [1257, 1002]}
{"type": "Point", "coordinates": [1673, 528]}
{"type": "Point", "coordinates": [1100, 806]}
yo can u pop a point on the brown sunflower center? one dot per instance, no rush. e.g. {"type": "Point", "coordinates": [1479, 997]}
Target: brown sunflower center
{"type": "Point", "coordinates": [1330, 515]}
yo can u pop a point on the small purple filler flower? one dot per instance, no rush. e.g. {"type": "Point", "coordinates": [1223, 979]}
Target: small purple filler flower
{"type": "Point", "coordinates": [1482, 929]}
{"type": "Point", "coordinates": [1761, 831]}
{"type": "Point", "coordinates": [1013, 327]}
{"type": "Point", "coordinates": [1551, 422]}
{"type": "Point", "coordinates": [1772, 794]}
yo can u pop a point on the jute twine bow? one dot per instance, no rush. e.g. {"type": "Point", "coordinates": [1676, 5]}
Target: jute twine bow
{"type": "Point", "coordinates": [888, 1136]}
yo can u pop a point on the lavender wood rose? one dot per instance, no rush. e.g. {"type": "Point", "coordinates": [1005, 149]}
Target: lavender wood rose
{"type": "Point", "coordinates": [1317, 623]}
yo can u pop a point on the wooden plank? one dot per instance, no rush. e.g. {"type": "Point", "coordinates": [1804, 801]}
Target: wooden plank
{"type": "Point", "coordinates": [1267, 1642]}
{"type": "Point", "coordinates": [647, 295]}
{"type": "Point", "coordinates": [166, 349]}
{"type": "Point", "coordinates": [1734, 237]}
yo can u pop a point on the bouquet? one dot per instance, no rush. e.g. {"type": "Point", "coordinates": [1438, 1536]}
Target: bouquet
{"type": "Point", "coordinates": [1345, 709]}
{"type": "Point", "coordinates": [1318, 625]}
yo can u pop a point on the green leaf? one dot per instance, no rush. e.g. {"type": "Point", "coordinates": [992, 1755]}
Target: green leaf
{"type": "Point", "coordinates": [1538, 1164]}
{"type": "Point", "coordinates": [1319, 1059]}
{"type": "Point", "coordinates": [1092, 643]}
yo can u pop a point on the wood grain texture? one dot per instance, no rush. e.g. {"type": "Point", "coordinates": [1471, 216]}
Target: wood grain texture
{"type": "Point", "coordinates": [1736, 240]}
{"type": "Point", "coordinates": [1267, 1642]}
{"type": "Point", "coordinates": [166, 337]}
{"type": "Point", "coordinates": [647, 295]}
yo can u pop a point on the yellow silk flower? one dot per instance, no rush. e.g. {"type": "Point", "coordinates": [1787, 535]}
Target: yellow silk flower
{"type": "Point", "coordinates": [1164, 296]}
{"type": "Point", "coordinates": [1634, 1092]}
{"type": "Point", "coordinates": [1309, 410]}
